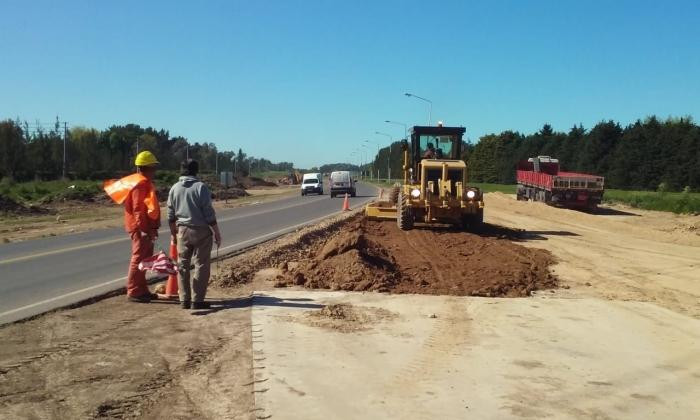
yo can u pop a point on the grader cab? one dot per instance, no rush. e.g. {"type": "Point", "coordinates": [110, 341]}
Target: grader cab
{"type": "Point", "coordinates": [434, 188]}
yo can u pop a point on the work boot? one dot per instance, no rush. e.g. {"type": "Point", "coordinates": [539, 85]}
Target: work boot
{"type": "Point", "coordinates": [201, 305]}
{"type": "Point", "coordinates": [186, 304]}
{"type": "Point", "coordinates": [145, 298]}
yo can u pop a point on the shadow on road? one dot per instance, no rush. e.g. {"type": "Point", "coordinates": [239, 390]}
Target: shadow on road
{"type": "Point", "coordinates": [256, 300]}
{"type": "Point", "coordinates": [357, 196]}
{"type": "Point", "coordinates": [607, 211]}
{"type": "Point", "coordinates": [489, 230]}
{"type": "Point", "coordinates": [496, 231]}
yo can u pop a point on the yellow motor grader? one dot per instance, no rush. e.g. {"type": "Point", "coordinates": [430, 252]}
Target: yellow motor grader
{"type": "Point", "coordinates": [435, 188]}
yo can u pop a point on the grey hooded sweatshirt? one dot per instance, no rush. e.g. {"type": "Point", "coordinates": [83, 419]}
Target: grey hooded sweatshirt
{"type": "Point", "coordinates": [189, 203]}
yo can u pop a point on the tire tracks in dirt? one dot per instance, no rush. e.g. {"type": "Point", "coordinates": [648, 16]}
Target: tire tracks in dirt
{"type": "Point", "coordinates": [65, 349]}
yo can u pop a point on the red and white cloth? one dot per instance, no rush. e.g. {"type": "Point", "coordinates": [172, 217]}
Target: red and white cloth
{"type": "Point", "coordinates": [158, 263]}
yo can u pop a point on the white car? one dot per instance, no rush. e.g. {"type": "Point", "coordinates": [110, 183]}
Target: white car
{"type": "Point", "coordinates": [341, 182]}
{"type": "Point", "coordinates": [312, 183]}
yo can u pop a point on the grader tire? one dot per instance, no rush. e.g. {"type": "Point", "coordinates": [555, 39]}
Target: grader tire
{"type": "Point", "coordinates": [404, 213]}
{"type": "Point", "coordinates": [394, 195]}
{"type": "Point", "coordinates": [473, 222]}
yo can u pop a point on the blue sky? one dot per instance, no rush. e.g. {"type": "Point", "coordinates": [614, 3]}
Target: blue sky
{"type": "Point", "coordinates": [308, 81]}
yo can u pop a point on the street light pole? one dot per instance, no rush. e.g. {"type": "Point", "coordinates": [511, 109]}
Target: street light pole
{"type": "Point", "coordinates": [388, 157]}
{"type": "Point", "coordinates": [361, 157]}
{"type": "Point", "coordinates": [430, 103]}
{"type": "Point", "coordinates": [376, 144]}
{"type": "Point", "coordinates": [405, 127]}
{"type": "Point", "coordinates": [355, 156]}
{"type": "Point", "coordinates": [371, 172]}
{"type": "Point", "coordinates": [65, 134]}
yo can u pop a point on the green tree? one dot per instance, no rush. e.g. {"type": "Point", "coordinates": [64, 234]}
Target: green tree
{"type": "Point", "coordinates": [12, 149]}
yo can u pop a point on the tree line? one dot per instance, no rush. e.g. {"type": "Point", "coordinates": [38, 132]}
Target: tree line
{"type": "Point", "coordinates": [98, 154]}
{"type": "Point", "coordinates": [650, 154]}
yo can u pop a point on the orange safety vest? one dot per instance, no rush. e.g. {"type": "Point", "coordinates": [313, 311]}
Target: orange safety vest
{"type": "Point", "coordinates": [119, 190]}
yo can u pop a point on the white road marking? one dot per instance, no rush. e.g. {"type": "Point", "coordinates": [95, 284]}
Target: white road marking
{"type": "Point", "coordinates": [54, 299]}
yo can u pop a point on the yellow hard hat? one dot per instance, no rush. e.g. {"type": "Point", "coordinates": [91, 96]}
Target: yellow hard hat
{"type": "Point", "coordinates": [146, 158]}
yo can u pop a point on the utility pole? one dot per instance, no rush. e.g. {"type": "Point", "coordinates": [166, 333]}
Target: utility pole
{"type": "Point", "coordinates": [65, 134]}
{"type": "Point", "coordinates": [216, 158]}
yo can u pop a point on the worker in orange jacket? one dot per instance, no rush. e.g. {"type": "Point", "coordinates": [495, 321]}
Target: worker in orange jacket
{"type": "Point", "coordinates": [141, 221]}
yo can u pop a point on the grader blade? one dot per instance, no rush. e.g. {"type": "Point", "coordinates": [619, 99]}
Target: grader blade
{"type": "Point", "coordinates": [381, 210]}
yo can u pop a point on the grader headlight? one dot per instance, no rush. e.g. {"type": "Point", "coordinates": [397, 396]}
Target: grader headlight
{"type": "Point", "coordinates": [471, 194]}
{"type": "Point", "coordinates": [415, 193]}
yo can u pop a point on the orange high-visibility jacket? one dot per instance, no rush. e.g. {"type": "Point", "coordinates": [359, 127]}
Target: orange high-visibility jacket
{"type": "Point", "coordinates": [137, 193]}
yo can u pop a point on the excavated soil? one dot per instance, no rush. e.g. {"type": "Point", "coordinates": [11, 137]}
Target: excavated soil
{"type": "Point", "coordinates": [228, 193]}
{"type": "Point", "coordinates": [364, 255]}
{"type": "Point", "coordinates": [344, 317]}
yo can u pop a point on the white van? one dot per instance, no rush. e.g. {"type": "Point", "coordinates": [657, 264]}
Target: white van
{"type": "Point", "coordinates": [342, 183]}
{"type": "Point", "coordinates": [312, 183]}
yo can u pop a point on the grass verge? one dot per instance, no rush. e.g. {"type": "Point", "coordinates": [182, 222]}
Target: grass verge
{"type": "Point", "coordinates": [676, 202]}
{"type": "Point", "coordinates": [38, 191]}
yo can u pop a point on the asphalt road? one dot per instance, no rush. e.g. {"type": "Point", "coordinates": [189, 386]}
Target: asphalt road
{"type": "Point", "coordinates": [43, 274]}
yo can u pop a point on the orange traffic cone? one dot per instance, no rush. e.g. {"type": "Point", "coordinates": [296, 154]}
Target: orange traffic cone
{"type": "Point", "coordinates": [171, 285]}
{"type": "Point", "coordinates": [346, 203]}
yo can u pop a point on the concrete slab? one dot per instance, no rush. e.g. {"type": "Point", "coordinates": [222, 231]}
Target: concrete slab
{"type": "Point", "coordinates": [450, 357]}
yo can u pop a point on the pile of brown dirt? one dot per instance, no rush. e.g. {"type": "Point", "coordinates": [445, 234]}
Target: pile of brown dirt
{"type": "Point", "coordinates": [282, 252]}
{"type": "Point", "coordinates": [347, 261]}
{"type": "Point", "coordinates": [377, 256]}
{"type": "Point", "coordinates": [343, 317]}
{"type": "Point", "coordinates": [254, 182]}
{"type": "Point", "coordinates": [228, 193]}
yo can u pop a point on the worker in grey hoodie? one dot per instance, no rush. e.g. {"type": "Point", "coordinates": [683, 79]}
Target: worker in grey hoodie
{"type": "Point", "coordinates": [192, 222]}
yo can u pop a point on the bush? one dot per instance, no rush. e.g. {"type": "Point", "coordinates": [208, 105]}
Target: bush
{"type": "Point", "coordinates": [166, 177]}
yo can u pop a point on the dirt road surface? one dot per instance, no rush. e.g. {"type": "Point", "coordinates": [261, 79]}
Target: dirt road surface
{"type": "Point", "coordinates": [119, 360]}
{"type": "Point", "coordinates": [619, 254]}
{"type": "Point", "coordinates": [116, 360]}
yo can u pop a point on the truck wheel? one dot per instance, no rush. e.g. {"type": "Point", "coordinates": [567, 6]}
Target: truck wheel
{"type": "Point", "coordinates": [404, 213]}
{"type": "Point", "coordinates": [332, 195]}
{"type": "Point", "coordinates": [302, 193]}
{"type": "Point", "coordinates": [353, 193]}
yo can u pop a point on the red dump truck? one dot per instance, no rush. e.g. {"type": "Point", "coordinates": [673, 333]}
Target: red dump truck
{"type": "Point", "coordinates": [539, 179]}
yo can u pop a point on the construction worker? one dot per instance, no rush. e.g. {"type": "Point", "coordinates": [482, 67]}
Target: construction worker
{"type": "Point", "coordinates": [192, 221]}
{"type": "Point", "coordinates": [430, 152]}
{"type": "Point", "coordinates": [141, 220]}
